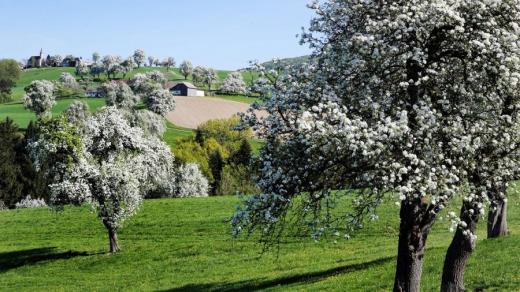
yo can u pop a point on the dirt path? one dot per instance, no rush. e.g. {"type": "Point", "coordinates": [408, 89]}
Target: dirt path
{"type": "Point", "coordinates": [192, 111]}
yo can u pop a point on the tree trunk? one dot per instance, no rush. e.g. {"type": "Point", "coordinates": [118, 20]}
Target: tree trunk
{"type": "Point", "coordinates": [410, 254]}
{"type": "Point", "coordinates": [497, 218]}
{"type": "Point", "coordinates": [112, 238]}
{"type": "Point", "coordinates": [459, 252]}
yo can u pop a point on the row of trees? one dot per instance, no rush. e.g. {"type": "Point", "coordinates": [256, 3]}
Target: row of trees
{"type": "Point", "coordinates": [414, 98]}
{"type": "Point", "coordinates": [113, 65]}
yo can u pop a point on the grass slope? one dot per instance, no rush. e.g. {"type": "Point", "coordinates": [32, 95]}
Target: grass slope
{"type": "Point", "coordinates": [22, 116]}
{"type": "Point", "coordinates": [30, 75]}
{"type": "Point", "coordinates": [173, 74]}
{"type": "Point", "coordinates": [174, 133]}
{"type": "Point", "coordinates": [185, 245]}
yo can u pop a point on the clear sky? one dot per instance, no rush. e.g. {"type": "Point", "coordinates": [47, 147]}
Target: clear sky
{"type": "Point", "coordinates": [224, 34]}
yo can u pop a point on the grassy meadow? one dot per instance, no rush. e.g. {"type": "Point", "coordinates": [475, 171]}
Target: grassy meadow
{"type": "Point", "coordinates": [22, 116]}
{"type": "Point", "coordinates": [185, 245]}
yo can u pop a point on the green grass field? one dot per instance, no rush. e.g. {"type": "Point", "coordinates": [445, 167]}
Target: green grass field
{"type": "Point", "coordinates": [185, 245]}
{"type": "Point", "coordinates": [22, 117]}
{"type": "Point", "coordinates": [36, 74]}
{"type": "Point", "coordinates": [174, 133]}
{"type": "Point", "coordinates": [239, 98]}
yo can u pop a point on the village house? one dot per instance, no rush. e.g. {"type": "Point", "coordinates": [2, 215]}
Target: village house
{"type": "Point", "coordinates": [36, 61]}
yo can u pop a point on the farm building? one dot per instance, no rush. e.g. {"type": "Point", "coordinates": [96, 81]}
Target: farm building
{"type": "Point", "coordinates": [185, 89]}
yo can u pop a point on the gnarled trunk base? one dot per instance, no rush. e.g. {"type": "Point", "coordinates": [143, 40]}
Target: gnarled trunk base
{"type": "Point", "coordinates": [497, 219]}
{"type": "Point", "coordinates": [459, 252]}
{"type": "Point", "coordinates": [112, 238]}
{"type": "Point", "coordinates": [410, 254]}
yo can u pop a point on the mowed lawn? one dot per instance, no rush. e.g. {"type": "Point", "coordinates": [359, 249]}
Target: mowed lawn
{"type": "Point", "coordinates": [185, 245]}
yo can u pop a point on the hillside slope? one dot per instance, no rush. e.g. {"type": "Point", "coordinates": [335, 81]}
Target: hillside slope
{"type": "Point", "coordinates": [52, 74]}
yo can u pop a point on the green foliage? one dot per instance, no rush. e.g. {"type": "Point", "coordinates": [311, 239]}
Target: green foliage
{"type": "Point", "coordinates": [12, 178]}
{"type": "Point", "coordinates": [218, 143]}
{"type": "Point", "coordinates": [243, 155]}
{"type": "Point", "coordinates": [189, 151]}
{"type": "Point", "coordinates": [225, 131]}
{"type": "Point", "coordinates": [216, 164]}
{"type": "Point", "coordinates": [9, 75]}
{"type": "Point", "coordinates": [17, 175]}
{"type": "Point", "coordinates": [237, 178]}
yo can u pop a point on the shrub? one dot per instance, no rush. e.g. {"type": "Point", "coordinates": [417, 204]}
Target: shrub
{"type": "Point", "coordinates": [236, 179]}
{"type": "Point", "coordinates": [188, 151]}
{"type": "Point", "coordinates": [30, 203]}
{"type": "Point", "coordinates": [227, 132]}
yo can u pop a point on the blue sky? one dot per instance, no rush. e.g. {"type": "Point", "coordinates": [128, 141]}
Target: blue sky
{"type": "Point", "coordinates": [223, 34]}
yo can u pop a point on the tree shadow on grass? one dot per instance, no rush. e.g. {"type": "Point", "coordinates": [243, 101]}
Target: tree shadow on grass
{"type": "Point", "coordinates": [15, 259]}
{"type": "Point", "coordinates": [254, 284]}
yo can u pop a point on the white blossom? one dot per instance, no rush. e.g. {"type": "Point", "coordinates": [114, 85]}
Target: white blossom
{"type": "Point", "coordinates": [39, 97]}
{"type": "Point", "coordinates": [30, 203]}
{"type": "Point", "coordinates": [190, 182]}
{"type": "Point", "coordinates": [234, 83]}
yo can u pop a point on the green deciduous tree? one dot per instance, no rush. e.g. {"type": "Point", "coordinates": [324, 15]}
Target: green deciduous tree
{"type": "Point", "coordinates": [9, 73]}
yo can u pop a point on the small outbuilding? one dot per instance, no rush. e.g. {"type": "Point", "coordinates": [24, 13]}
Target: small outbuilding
{"type": "Point", "coordinates": [185, 89]}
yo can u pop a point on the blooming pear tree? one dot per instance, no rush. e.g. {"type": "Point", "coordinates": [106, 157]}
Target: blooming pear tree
{"type": "Point", "coordinates": [190, 182]}
{"type": "Point", "coordinates": [54, 148]}
{"type": "Point", "coordinates": [67, 80]}
{"type": "Point", "coordinates": [160, 101]}
{"type": "Point", "coordinates": [156, 76]}
{"type": "Point", "coordinates": [112, 65]}
{"type": "Point", "coordinates": [400, 97]}
{"type": "Point", "coordinates": [151, 61]}
{"type": "Point", "coordinates": [145, 84]}
{"type": "Point", "coordinates": [39, 97]}
{"type": "Point", "coordinates": [56, 60]}
{"type": "Point", "coordinates": [77, 113]}
{"type": "Point", "coordinates": [261, 86]}
{"type": "Point", "coordinates": [119, 164]}
{"type": "Point", "coordinates": [139, 57]}
{"type": "Point", "coordinates": [96, 57]}
{"type": "Point", "coordinates": [208, 76]}
{"type": "Point", "coordinates": [169, 62]}
{"type": "Point", "coordinates": [82, 70]}
{"type": "Point", "coordinates": [186, 69]}
{"type": "Point", "coordinates": [127, 66]}
{"type": "Point", "coordinates": [120, 95]}
{"type": "Point", "coordinates": [151, 123]}
{"type": "Point", "coordinates": [234, 84]}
